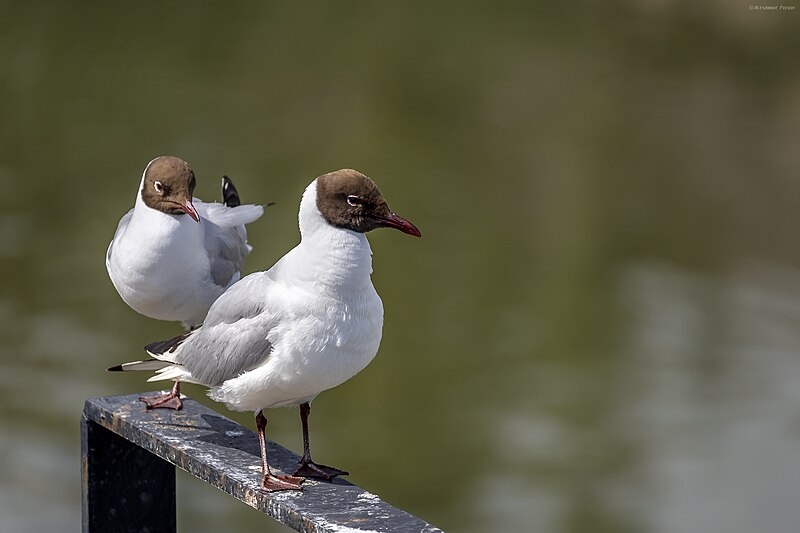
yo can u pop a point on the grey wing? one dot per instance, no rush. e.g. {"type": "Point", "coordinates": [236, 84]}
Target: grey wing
{"type": "Point", "coordinates": [226, 247]}
{"type": "Point", "coordinates": [233, 338]}
{"type": "Point", "coordinates": [121, 227]}
{"type": "Point", "coordinates": [226, 238]}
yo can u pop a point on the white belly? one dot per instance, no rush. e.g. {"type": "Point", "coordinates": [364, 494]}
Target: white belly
{"type": "Point", "coordinates": [314, 354]}
{"type": "Point", "coordinates": [152, 293]}
{"type": "Point", "coordinates": [165, 274]}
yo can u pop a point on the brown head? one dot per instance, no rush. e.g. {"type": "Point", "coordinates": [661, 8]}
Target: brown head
{"type": "Point", "coordinates": [168, 186]}
{"type": "Point", "coordinates": [348, 199]}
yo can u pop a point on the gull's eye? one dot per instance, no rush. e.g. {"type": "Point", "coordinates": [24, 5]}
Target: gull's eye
{"type": "Point", "coordinates": [158, 187]}
{"type": "Point", "coordinates": [354, 200]}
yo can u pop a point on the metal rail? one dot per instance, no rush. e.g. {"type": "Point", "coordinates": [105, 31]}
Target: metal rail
{"type": "Point", "coordinates": [128, 463]}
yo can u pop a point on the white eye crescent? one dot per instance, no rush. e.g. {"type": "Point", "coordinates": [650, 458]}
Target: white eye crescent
{"type": "Point", "coordinates": [353, 200]}
{"type": "Point", "coordinates": [158, 187]}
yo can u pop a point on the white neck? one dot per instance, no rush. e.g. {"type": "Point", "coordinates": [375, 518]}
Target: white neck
{"type": "Point", "coordinates": [335, 257]}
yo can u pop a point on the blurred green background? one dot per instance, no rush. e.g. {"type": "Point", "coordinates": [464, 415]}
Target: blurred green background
{"type": "Point", "coordinates": [599, 330]}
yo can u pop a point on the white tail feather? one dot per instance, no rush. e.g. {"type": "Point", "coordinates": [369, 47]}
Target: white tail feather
{"type": "Point", "coordinates": [175, 372]}
{"type": "Point", "coordinates": [142, 365]}
{"type": "Point", "coordinates": [166, 357]}
{"type": "Point", "coordinates": [222, 215]}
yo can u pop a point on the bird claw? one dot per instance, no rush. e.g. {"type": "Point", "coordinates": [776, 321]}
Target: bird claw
{"type": "Point", "coordinates": [313, 470]}
{"type": "Point", "coordinates": [168, 400]}
{"type": "Point", "coordinates": [273, 483]}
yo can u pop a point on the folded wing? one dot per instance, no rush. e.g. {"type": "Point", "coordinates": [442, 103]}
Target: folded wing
{"type": "Point", "coordinates": [231, 341]}
{"type": "Point", "coordinates": [226, 238]}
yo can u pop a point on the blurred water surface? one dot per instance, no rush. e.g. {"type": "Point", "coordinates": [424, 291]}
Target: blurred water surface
{"type": "Point", "coordinates": [599, 330]}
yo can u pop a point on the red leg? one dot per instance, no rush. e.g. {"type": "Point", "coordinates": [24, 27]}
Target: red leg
{"type": "Point", "coordinates": [269, 481]}
{"type": "Point", "coordinates": [309, 468]}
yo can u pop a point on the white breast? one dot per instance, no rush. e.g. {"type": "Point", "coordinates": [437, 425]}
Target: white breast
{"type": "Point", "coordinates": [158, 266]}
{"type": "Point", "coordinates": [310, 354]}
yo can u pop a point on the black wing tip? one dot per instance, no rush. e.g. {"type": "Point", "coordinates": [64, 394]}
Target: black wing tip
{"type": "Point", "coordinates": [169, 345]}
{"type": "Point", "coordinates": [116, 368]}
{"type": "Point", "coordinates": [230, 196]}
{"type": "Point", "coordinates": [154, 347]}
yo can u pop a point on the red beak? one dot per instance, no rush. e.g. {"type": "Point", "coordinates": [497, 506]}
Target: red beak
{"type": "Point", "coordinates": [397, 222]}
{"type": "Point", "coordinates": [189, 209]}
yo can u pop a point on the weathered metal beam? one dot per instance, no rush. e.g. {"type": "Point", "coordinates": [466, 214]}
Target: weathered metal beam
{"type": "Point", "coordinates": [226, 455]}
